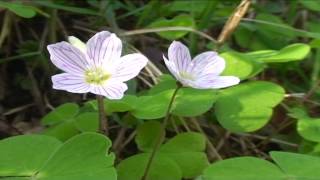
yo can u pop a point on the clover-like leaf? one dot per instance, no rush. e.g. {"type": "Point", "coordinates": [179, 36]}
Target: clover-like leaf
{"type": "Point", "coordinates": [248, 106]}
{"type": "Point", "coordinates": [24, 155]}
{"type": "Point", "coordinates": [39, 157]}
{"type": "Point", "coordinates": [185, 150]}
{"type": "Point", "coordinates": [243, 168]}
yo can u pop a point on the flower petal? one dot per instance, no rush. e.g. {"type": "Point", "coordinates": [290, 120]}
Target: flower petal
{"type": "Point", "coordinates": [68, 58]}
{"type": "Point", "coordinates": [172, 68]}
{"type": "Point", "coordinates": [70, 83]}
{"type": "Point", "coordinates": [103, 48]}
{"type": "Point", "coordinates": [216, 82]}
{"type": "Point", "coordinates": [207, 63]}
{"type": "Point", "coordinates": [129, 66]}
{"type": "Point", "coordinates": [111, 90]}
{"type": "Point", "coordinates": [179, 54]}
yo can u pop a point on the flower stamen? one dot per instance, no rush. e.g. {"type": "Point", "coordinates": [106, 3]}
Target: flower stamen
{"type": "Point", "coordinates": [96, 76]}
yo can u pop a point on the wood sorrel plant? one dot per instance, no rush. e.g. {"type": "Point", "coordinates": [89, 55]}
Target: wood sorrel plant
{"type": "Point", "coordinates": [177, 127]}
{"type": "Point", "coordinates": [203, 72]}
{"type": "Point", "coordinates": [95, 67]}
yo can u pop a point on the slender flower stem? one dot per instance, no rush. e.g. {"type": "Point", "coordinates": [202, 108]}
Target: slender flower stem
{"type": "Point", "coordinates": [103, 121]}
{"type": "Point", "coordinates": [161, 135]}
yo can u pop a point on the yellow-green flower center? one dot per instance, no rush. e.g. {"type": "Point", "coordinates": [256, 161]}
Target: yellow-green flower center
{"type": "Point", "coordinates": [96, 76]}
{"type": "Point", "coordinates": [186, 75]}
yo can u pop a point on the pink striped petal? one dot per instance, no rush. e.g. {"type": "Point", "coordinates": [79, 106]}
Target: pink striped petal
{"type": "Point", "coordinates": [207, 63]}
{"type": "Point", "coordinates": [103, 48]}
{"type": "Point", "coordinates": [129, 66]}
{"type": "Point", "coordinates": [179, 54]}
{"type": "Point", "coordinates": [70, 83]}
{"type": "Point", "coordinates": [216, 82]}
{"type": "Point", "coordinates": [68, 58]}
{"type": "Point", "coordinates": [111, 90]}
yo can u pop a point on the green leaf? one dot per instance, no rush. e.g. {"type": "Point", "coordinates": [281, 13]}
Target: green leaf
{"type": "Point", "coordinates": [162, 168]}
{"type": "Point", "coordinates": [239, 65]}
{"type": "Point", "coordinates": [155, 106]}
{"type": "Point", "coordinates": [181, 20]}
{"type": "Point", "coordinates": [297, 166]}
{"type": "Point", "coordinates": [147, 135]}
{"type": "Point", "coordinates": [312, 5]}
{"type": "Point", "coordinates": [243, 168]}
{"type": "Point", "coordinates": [191, 102]}
{"type": "Point", "coordinates": [309, 129]}
{"type": "Point", "coordinates": [293, 52]}
{"type": "Point", "coordinates": [152, 107]}
{"type": "Point", "coordinates": [62, 131]}
{"type": "Point", "coordinates": [248, 106]}
{"type": "Point", "coordinates": [88, 121]}
{"type": "Point", "coordinates": [62, 113]}
{"type": "Point", "coordinates": [166, 82]}
{"type": "Point", "coordinates": [191, 160]}
{"type": "Point", "coordinates": [194, 141]}
{"type": "Point", "coordinates": [127, 103]}
{"type": "Point", "coordinates": [83, 157]}
{"type": "Point", "coordinates": [24, 155]}
{"type": "Point", "coordinates": [78, 10]}
{"type": "Point", "coordinates": [20, 9]}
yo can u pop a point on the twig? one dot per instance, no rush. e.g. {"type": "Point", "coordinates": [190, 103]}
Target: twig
{"type": "Point", "coordinates": [233, 22]}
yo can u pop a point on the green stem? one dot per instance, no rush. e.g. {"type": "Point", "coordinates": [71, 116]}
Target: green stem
{"type": "Point", "coordinates": [103, 121]}
{"type": "Point", "coordinates": [161, 135]}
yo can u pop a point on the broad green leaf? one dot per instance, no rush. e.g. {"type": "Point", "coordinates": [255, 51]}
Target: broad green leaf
{"type": "Point", "coordinates": [191, 160]}
{"type": "Point", "coordinates": [78, 10]}
{"type": "Point", "coordinates": [152, 107]}
{"type": "Point", "coordinates": [239, 65]}
{"type": "Point", "coordinates": [194, 141]}
{"type": "Point", "coordinates": [181, 20]}
{"type": "Point", "coordinates": [20, 9]}
{"type": "Point", "coordinates": [243, 168]}
{"type": "Point", "coordinates": [312, 5]}
{"type": "Point", "coordinates": [193, 102]}
{"type": "Point", "coordinates": [166, 82]}
{"type": "Point", "coordinates": [309, 128]}
{"type": "Point", "coordinates": [162, 168]}
{"type": "Point", "coordinates": [155, 106]}
{"type": "Point", "coordinates": [297, 166]}
{"type": "Point", "coordinates": [83, 157]}
{"type": "Point", "coordinates": [88, 121]}
{"type": "Point", "coordinates": [62, 131]}
{"type": "Point", "coordinates": [127, 103]}
{"type": "Point", "coordinates": [293, 52]}
{"type": "Point", "coordinates": [62, 113]}
{"type": "Point", "coordinates": [24, 155]}
{"type": "Point", "coordinates": [147, 135]}
{"type": "Point", "coordinates": [248, 106]}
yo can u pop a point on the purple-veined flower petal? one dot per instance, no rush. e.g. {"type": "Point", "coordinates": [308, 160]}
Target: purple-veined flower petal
{"type": "Point", "coordinates": [68, 58]}
{"type": "Point", "coordinates": [217, 82]}
{"type": "Point", "coordinates": [207, 63]}
{"type": "Point", "coordinates": [103, 48]}
{"type": "Point", "coordinates": [171, 66]}
{"type": "Point", "coordinates": [129, 66]}
{"type": "Point", "coordinates": [179, 54]}
{"type": "Point", "coordinates": [111, 90]}
{"type": "Point", "coordinates": [70, 83]}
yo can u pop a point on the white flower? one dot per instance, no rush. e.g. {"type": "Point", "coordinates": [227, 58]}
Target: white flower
{"type": "Point", "coordinates": [203, 72]}
{"type": "Point", "coordinates": [96, 66]}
